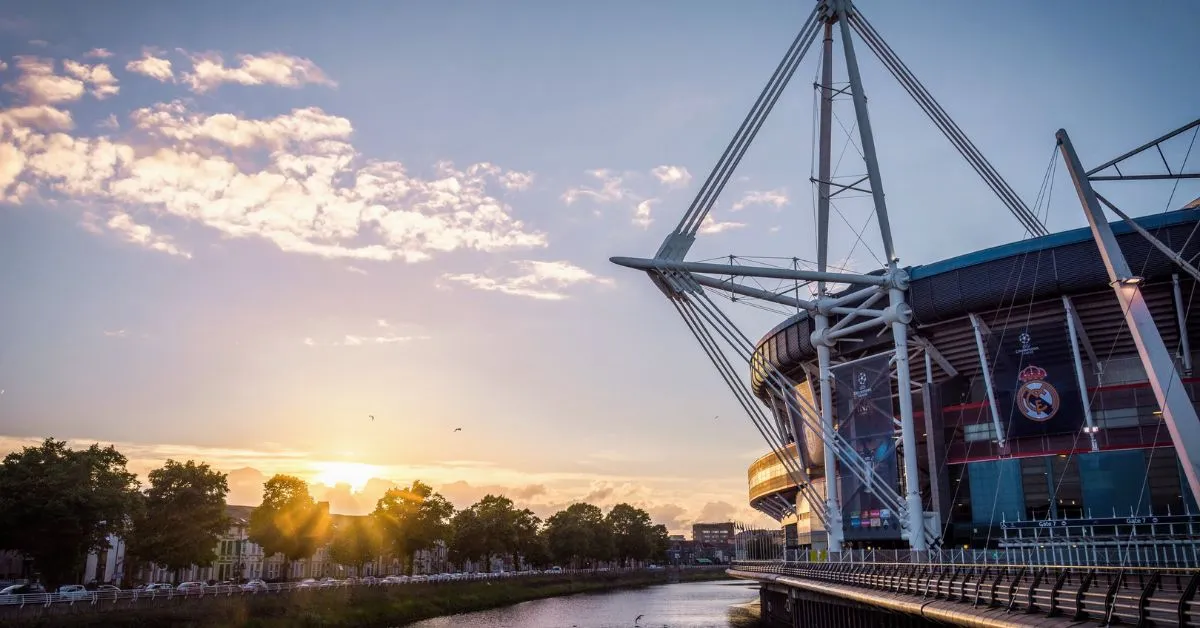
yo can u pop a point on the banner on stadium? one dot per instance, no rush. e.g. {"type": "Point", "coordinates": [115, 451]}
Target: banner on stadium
{"type": "Point", "coordinates": [863, 390]}
{"type": "Point", "coordinates": [1037, 390]}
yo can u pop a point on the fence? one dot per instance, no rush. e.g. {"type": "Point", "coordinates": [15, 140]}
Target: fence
{"type": "Point", "coordinates": [1137, 596]}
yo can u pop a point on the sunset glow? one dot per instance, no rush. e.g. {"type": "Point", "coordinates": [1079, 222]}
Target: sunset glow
{"type": "Point", "coordinates": [356, 474]}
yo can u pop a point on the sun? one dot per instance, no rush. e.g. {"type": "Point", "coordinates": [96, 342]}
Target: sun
{"type": "Point", "coordinates": [356, 474]}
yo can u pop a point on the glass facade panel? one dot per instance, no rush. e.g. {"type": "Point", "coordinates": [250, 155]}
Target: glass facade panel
{"type": "Point", "coordinates": [996, 493]}
{"type": "Point", "coordinates": [1114, 483]}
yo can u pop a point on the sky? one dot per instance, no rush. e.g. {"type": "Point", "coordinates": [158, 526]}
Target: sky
{"type": "Point", "coordinates": [235, 235]}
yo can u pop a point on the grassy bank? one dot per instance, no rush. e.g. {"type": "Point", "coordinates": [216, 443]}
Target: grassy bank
{"type": "Point", "coordinates": [382, 607]}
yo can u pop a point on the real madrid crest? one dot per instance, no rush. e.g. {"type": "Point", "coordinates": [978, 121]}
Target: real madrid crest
{"type": "Point", "coordinates": [1037, 399]}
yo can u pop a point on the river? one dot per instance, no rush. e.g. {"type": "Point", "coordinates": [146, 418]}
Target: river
{"type": "Point", "coordinates": [725, 603]}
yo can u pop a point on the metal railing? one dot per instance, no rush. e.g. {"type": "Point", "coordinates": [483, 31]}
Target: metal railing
{"type": "Point", "coordinates": [1133, 595]}
{"type": "Point", "coordinates": [1180, 554]}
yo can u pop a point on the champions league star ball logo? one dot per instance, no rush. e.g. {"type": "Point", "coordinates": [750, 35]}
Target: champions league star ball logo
{"type": "Point", "coordinates": [862, 391]}
{"type": "Point", "coordinates": [1037, 400]}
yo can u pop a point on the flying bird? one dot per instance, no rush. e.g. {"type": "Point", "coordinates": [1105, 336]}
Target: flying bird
{"type": "Point", "coordinates": [458, 429]}
{"type": "Point", "coordinates": [637, 619]}
{"type": "Point", "coordinates": [372, 416]}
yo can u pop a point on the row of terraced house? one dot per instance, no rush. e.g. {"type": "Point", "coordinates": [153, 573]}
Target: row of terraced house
{"type": "Point", "coordinates": [238, 559]}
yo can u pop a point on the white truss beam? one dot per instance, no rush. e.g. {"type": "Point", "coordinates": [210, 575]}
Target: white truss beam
{"type": "Point", "coordinates": [1178, 411]}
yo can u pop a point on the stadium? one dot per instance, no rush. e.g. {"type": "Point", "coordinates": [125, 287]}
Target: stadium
{"type": "Point", "coordinates": [1098, 452]}
{"type": "Point", "coordinates": [1035, 396]}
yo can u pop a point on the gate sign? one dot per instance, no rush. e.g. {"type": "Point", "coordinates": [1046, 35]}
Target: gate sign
{"type": "Point", "coordinates": [863, 391]}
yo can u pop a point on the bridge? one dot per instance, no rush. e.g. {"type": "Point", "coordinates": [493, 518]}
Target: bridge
{"type": "Point", "coordinates": [1022, 448]}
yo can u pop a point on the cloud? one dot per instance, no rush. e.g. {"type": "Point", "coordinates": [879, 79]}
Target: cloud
{"type": "Point", "coordinates": [672, 176]}
{"type": "Point", "coordinates": [39, 85]}
{"type": "Point", "coordinates": [516, 180]}
{"type": "Point", "coordinates": [710, 226]}
{"type": "Point", "coordinates": [611, 188]}
{"type": "Point", "coordinates": [40, 43]}
{"type": "Point", "coordinates": [462, 494]}
{"type": "Point", "coordinates": [153, 66]}
{"type": "Point", "coordinates": [776, 198]}
{"type": "Point", "coordinates": [117, 333]}
{"type": "Point", "coordinates": [717, 512]}
{"type": "Point", "coordinates": [309, 342]}
{"type": "Point", "coordinates": [354, 341]}
{"type": "Point", "coordinates": [294, 180]}
{"type": "Point", "coordinates": [538, 280]}
{"type": "Point", "coordinates": [355, 269]}
{"type": "Point", "coordinates": [123, 224]}
{"type": "Point", "coordinates": [109, 123]}
{"type": "Point", "coordinates": [641, 214]}
{"type": "Point", "coordinates": [98, 53]}
{"type": "Point", "coordinates": [101, 79]}
{"type": "Point", "coordinates": [272, 68]}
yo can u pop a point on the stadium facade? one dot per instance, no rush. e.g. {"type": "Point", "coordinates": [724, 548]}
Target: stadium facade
{"type": "Point", "coordinates": [1032, 407]}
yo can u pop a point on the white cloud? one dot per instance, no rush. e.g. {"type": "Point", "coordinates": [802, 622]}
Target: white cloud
{"type": "Point", "coordinates": [310, 342]}
{"type": "Point", "coordinates": [153, 66]}
{"type": "Point", "coordinates": [101, 79]}
{"type": "Point", "coordinates": [355, 341]}
{"type": "Point", "coordinates": [517, 180]}
{"type": "Point", "coordinates": [131, 231]}
{"type": "Point", "coordinates": [710, 226]}
{"type": "Point", "coordinates": [641, 215]}
{"type": "Point", "coordinates": [39, 85]}
{"type": "Point", "coordinates": [537, 280]}
{"type": "Point", "coordinates": [383, 323]}
{"type": "Point", "coordinates": [355, 269]}
{"type": "Point", "coordinates": [612, 188]}
{"type": "Point", "coordinates": [3, 66]}
{"type": "Point", "coordinates": [116, 333]}
{"type": "Point", "coordinates": [672, 176]}
{"type": "Point", "coordinates": [98, 53]}
{"type": "Point", "coordinates": [272, 68]}
{"type": "Point", "coordinates": [40, 43]}
{"type": "Point", "coordinates": [109, 123]}
{"type": "Point", "coordinates": [776, 198]}
{"type": "Point", "coordinates": [294, 180]}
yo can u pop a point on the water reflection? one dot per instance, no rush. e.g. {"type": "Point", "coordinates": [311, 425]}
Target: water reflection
{"type": "Point", "coordinates": [685, 605]}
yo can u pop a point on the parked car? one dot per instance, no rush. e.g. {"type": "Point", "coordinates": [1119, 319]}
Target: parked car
{"type": "Point", "coordinates": [159, 588]}
{"type": "Point", "coordinates": [107, 591]}
{"type": "Point", "coordinates": [75, 592]}
{"type": "Point", "coordinates": [190, 588]}
{"type": "Point", "coordinates": [255, 585]}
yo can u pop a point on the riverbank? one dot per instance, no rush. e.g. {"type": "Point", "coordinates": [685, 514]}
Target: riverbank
{"type": "Point", "coordinates": [382, 607]}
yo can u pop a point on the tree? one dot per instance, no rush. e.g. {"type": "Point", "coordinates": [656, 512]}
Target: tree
{"type": "Point", "coordinates": [356, 541]}
{"type": "Point", "coordinates": [183, 516]}
{"type": "Point", "coordinates": [288, 522]}
{"type": "Point", "coordinates": [466, 537]}
{"type": "Point", "coordinates": [413, 519]}
{"type": "Point", "coordinates": [530, 543]}
{"type": "Point", "coordinates": [632, 532]}
{"type": "Point", "coordinates": [59, 504]}
{"type": "Point", "coordinates": [660, 540]}
{"type": "Point", "coordinates": [578, 535]}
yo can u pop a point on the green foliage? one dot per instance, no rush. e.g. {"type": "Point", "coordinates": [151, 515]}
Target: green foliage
{"type": "Point", "coordinates": [58, 504]}
{"type": "Point", "coordinates": [632, 532]}
{"type": "Point", "coordinates": [413, 518]}
{"type": "Point", "coordinates": [659, 542]}
{"type": "Point", "coordinates": [579, 535]}
{"type": "Point", "coordinates": [288, 522]}
{"type": "Point", "coordinates": [356, 541]}
{"type": "Point", "coordinates": [183, 518]}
